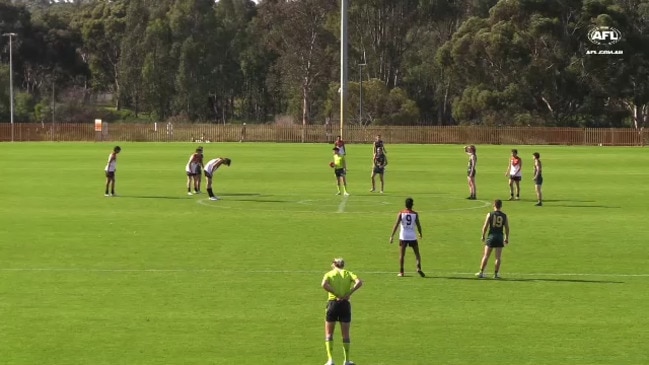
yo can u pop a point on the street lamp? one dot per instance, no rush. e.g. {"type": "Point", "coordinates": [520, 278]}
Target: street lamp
{"type": "Point", "coordinates": [360, 91]}
{"type": "Point", "coordinates": [11, 81]}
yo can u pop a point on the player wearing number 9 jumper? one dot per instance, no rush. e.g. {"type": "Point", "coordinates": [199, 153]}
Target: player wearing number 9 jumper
{"type": "Point", "coordinates": [408, 219]}
{"type": "Point", "coordinates": [496, 222]}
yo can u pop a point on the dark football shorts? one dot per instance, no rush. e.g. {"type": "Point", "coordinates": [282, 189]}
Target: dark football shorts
{"type": "Point", "coordinates": [515, 178]}
{"type": "Point", "coordinates": [339, 172]}
{"type": "Point", "coordinates": [470, 173]}
{"type": "Point", "coordinates": [411, 243]}
{"type": "Point", "coordinates": [495, 241]}
{"type": "Point", "coordinates": [378, 170]}
{"type": "Point", "coordinates": [208, 175]}
{"type": "Point", "coordinates": [190, 173]}
{"type": "Point", "coordinates": [539, 180]}
{"type": "Point", "coordinates": [197, 170]}
{"type": "Point", "coordinates": [110, 174]}
{"type": "Point", "coordinates": [338, 311]}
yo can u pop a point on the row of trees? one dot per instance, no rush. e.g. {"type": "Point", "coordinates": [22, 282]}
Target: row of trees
{"type": "Point", "coordinates": [507, 62]}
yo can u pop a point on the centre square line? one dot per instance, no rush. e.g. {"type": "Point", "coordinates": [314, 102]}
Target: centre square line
{"type": "Point", "coordinates": [343, 203]}
{"type": "Point", "coordinates": [273, 271]}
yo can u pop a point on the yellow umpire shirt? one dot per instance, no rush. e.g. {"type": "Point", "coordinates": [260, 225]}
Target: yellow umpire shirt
{"type": "Point", "coordinates": [341, 281]}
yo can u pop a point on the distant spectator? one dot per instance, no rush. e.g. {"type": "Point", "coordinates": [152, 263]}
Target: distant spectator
{"type": "Point", "coordinates": [170, 131]}
{"type": "Point", "coordinates": [328, 130]}
{"type": "Point", "coordinates": [243, 133]}
{"type": "Point", "coordinates": [201, 139]}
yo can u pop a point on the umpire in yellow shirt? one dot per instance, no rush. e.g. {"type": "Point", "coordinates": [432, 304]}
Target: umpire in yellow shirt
{"type": "Point", "coordinates": [340, 284]}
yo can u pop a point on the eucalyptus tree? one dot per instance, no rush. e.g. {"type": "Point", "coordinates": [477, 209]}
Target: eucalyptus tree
{"type": "Point", "coordinates": [194, 52]}
{"type": "Point", "coordinates": [103, 26]}
{"type": "Point", "coordinates": [132, 54]}
{"type": "Point", "coordinates": [233, 91]}
{"type": "Point", "coordinates": [297, 32]}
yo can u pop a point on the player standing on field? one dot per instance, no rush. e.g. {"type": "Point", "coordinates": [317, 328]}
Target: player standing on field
{"type": "Point", "coordinates": [110, 169]}
{"type": "Point", "coordinates": [470, 171]}
{"type": "Point", "coordinates": [340, 170]}
{"type": "Point", "coordinates": [514, 171]}
{"type": "Point", "coordinates": [408, 219]}
{"type": "Point", "coordinates": [496, 222]}
{"type": "Point", "coordinates": [193, 170]}
{"type": "Point", "coordinates": [199, 170]}
{"type": "Point", "coordinates": [210, 170]}
{"type": "Point", "coordinates": [378, 143]}
{"type": "Point", "coordinates": [340, 284]}
{"type": "Point", "coordinates": [538, 178]}
{"type": "Point", "coordinates": [340, 144]}
{"type": "Point", "coordinates": [379, 163]}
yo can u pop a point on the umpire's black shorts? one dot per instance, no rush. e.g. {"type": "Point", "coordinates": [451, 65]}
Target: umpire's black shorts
{"type": "Point", "coordinates": [338, 311]}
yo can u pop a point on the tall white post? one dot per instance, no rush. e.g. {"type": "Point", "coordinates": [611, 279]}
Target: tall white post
{"type": "Point", "coordinates": [344, 61]}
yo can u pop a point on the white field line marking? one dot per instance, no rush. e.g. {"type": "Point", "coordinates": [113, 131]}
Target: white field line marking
{"type": "Point", "coordinates": [432, 274]}
{"type": "Point", "coordinates": [306, 203]}
{"type": "Point", "coordinates": [343, 203]}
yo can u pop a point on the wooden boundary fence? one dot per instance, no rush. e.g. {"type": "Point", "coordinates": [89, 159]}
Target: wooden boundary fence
{"type": "Point", "coordinates": [319, 134]}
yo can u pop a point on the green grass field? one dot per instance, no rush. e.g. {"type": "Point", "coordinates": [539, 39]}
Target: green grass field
{"type": "Point", "coordinates": [158, 277]}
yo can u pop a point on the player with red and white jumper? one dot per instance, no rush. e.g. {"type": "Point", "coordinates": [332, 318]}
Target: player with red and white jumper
{"type": "Point", "coordinates": [340, 144]}
{"type": "Point", "coordinates": [210, 169]}
{"type": "Point", "coordinates": [193, 170]}
{"type": "Point", "coordinates": [408, 219]}
{"type": "Point", "coordinates": [515, 173]}
{"type": "Point", "coordinates": [110, 169]}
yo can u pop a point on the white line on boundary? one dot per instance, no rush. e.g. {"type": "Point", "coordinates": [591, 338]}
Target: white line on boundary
{"type": "Point", "coordinates": [343, 203]}
{"type": "Point", "coordinates": [292, 272]}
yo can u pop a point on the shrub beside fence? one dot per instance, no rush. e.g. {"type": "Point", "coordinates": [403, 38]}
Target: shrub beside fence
{"type": "Point", "coordinates": [319, 134]}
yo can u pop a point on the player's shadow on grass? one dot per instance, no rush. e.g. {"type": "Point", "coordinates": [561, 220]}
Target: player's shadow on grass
{"type": "Point", "coordinates": [566, 201]}
{"type": "Point", "coordinates": [241, 194]}
{"type": "Point", "coordinates": [565, 280]}
{"type": "Point", "coordinates": [152, 197]}
{"type": "Point", "coordinates": [585, 281]}
{"type": "Point", "coordinates": [576, 204]}
{"type": "Point", "coordinates": [252, 197]}
{"type": "Point", "coordinates": [585, 206]}
{"type": "Point", "coordinates": [418, 277]}
{"type": "Point", "coordinates": [260, 200]}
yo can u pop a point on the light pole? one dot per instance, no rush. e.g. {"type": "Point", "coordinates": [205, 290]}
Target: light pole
{"type": "Point", "coordinates": [344, 6]}
{"type": "Point", "coordinates": [11, 81]}
{"type": "Point", "coordinates": [360, 91]}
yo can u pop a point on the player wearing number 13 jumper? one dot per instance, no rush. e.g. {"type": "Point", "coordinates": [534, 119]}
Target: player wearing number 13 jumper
{"type": "Point", "coordinates": [408, 219]}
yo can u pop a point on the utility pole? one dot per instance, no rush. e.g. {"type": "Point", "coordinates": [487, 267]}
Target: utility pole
{"type": "Point", "coordinates": [360, 90]}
